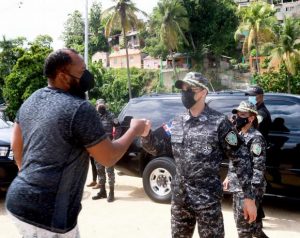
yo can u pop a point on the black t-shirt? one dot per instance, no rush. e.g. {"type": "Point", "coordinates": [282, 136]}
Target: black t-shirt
{"type": "Point", "coordinates": [264, 126]}
{"type": "Point", "coordinates": [56, 128]}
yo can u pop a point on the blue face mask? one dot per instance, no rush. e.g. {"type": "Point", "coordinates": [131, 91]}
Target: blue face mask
{"type": "Point", "coordinates": [252, 99]}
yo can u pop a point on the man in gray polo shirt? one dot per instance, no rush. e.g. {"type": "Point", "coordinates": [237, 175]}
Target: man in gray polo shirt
{"type": "Point", "coordinates": [55, 131]}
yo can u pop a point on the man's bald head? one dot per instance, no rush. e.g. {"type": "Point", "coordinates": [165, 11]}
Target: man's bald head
{"type": "Point", "coordinates": [56, 61]}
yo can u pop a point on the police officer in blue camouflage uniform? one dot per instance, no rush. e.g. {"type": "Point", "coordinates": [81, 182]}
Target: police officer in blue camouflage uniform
{"type": "Point", "coordinates": [256, 96]}
{"type": "Point", "coordinates": [246, 122]}
{"type": "Point", "coordinates": [198, 140]}
{"type": "Point", "coordinates": [108, 121]}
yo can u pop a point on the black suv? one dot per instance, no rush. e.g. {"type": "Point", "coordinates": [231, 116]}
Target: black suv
{"type": "Point", "coordinates": [8, 168]}
{"type": "Point", "coordinates": [283, 155]}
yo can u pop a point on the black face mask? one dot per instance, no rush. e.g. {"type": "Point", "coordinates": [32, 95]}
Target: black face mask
{"type": "Point", "coordinates": [101, 110]}
{"type": "Point", "coordinates": [187, 98]}
{"type": "Point", "coordinates": [86, 82]}
{"type": "Point", "coordinates": [240, 122]}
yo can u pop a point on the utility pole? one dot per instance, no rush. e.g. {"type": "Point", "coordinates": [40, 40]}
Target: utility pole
{"type": "Point", "coordinates": [86, 33]}
{"type": "Point", "coordinates": [86, 39]}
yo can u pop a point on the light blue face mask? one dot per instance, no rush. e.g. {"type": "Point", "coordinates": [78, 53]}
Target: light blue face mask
{"type": "Point", "coordinates": [252, 99]}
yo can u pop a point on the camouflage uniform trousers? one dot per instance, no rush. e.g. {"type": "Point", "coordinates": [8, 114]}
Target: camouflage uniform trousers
{"type": "Point", "coordinates": [244, 229]}
{"type": "Point", "coordinates": [185, 215]}
{"type": "Point", "coordinates": [102, 175]}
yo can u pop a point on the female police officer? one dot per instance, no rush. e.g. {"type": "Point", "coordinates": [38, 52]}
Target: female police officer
{"type": "Point", "coordinates": [246, 122]}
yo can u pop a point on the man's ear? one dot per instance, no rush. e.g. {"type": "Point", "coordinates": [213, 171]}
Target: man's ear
{"type": "Point", "coordinates": [64, 80]}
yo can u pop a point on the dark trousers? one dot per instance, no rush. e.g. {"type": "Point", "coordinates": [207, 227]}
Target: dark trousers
{"type": "Point", "coordinates": [94, 169]}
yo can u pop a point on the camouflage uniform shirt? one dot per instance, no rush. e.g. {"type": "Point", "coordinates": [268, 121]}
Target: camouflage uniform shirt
{"type": "Point", "coordinates": [257, 146]}
{"type": "Point", "coordinates": [107, 120]}
{"type": "Point", "coordinates": [198, 145]}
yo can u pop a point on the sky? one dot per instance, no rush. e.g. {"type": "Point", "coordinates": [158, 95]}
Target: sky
{"type": "Point", "coordinates": [30, 18]}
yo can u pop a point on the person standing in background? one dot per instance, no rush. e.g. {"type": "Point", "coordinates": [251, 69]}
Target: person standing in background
{"type": "Point", "coordinates": [109, 123]}
{"type": "Point", "coordinates": [246, 122]}
{"type": "Point", "coordinates": [94, 183]}
{"type": "Point", "coordinates": [256, 97]}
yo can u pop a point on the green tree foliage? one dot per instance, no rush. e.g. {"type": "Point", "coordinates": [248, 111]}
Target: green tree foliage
{"type": "Point", "coordinates": [122, 15]}
{"type": "Point", "coordinates": [153, 45]}
{"type": "Point", "coordinates": [286, 49]}
{"type": "Point", "coordinates": [257, 20]}
{"type": "Point", "coordinates": [171, 22]}
{"type": "Point", "coordinates": [277, 81]}
{"type": "Point", "coordinates": [111, 84]}
{"type": "Point", "coordinates": [10, 52]}
{"type": "Point", "coordinates": [73, 34]}
{"type": "Point", "coordinates": [211, 28]}
{"type": "Point", "coordinates": [171, 19]}
{"type": "Point", "coordinates": [26, 75]}
{"type": "Point", "coordinates": [212, 23]}
{"type": "Point", "coordinates": [97, 40]}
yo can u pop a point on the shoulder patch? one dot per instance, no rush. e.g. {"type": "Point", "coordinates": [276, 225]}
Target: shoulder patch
{"type": "Point", "coordinates": [231, 138]}
{"type": "Point", "coordinates": [256, 149]}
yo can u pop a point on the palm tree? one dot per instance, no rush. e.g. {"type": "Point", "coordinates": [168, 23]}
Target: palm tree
{"type": "Point", "coordinates": [171, 19]}
{"type": "Point", "coordinates": [286, 49]}
{"type": "Point", "coordinates": [257, 20]}
{"type": "Point", "coordinates": [122, 15]}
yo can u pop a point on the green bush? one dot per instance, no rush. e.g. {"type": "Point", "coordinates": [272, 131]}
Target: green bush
{"type": "Point", "coordinates": [25, 78]}
{"type": "Point", "coordinates": [112, 85]}
{"type": "Point", "coordinates": [277, 81]}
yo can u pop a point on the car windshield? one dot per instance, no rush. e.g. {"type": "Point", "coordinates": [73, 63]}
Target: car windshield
{"type": "Point", "coordinates": [3, 124]}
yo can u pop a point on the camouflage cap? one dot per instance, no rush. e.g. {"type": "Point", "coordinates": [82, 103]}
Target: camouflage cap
{"type": "Point", "coordinates": [245, 107]}
{"type": "Point", "coordinates": [193, 79]}
{"type": "Point", "coordinates": [100, 101]}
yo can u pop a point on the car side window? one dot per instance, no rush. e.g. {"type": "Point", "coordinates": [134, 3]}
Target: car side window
{"type": "Point", "coordinates": [224, 105]}
{"type": "Point", "coordinates": [157, 111]}
{"type": "Point", "coordinates": [285, 115]}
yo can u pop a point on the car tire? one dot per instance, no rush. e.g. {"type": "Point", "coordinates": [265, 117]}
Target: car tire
{"type": "Point", "coordinates": [157, 177]}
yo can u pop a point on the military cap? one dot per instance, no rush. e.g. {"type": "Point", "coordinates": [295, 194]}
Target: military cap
{"type": "Point", "coordinates": [245, 107]}
{"type": "Point", "coordinates": [193, 79]}
{"type": "Point", "coordinates": [254, 90]}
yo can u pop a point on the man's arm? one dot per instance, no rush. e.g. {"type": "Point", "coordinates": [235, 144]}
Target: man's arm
{"type": "Point", "coordinates": [17, 144]}
{"type": "Point", "coordinates": [258, 152]}
{"type": "Point", "coordinates": [157, 142]}
{"type": "Point", "coordinates": [108, 152]}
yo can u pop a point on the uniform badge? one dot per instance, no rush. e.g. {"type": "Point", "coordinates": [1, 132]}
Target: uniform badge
{"type": "Point", "coordinates": [256, 149]}
{"type": "Point", "coordinates": [206, 150]}
{"type": "Point", "coordinates": [231, 138]}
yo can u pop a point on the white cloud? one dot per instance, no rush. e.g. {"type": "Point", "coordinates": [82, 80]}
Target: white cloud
{"type": "Point", "coordinates": [30, 18]}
